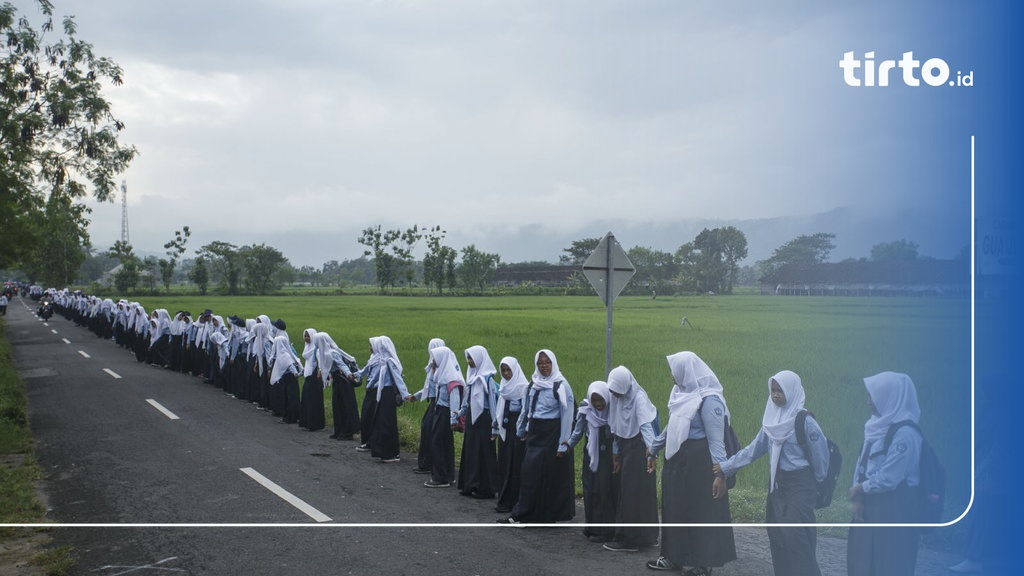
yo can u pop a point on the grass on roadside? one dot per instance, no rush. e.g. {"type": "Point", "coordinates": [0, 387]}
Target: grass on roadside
{"type": "Point", "coordinates": [19, 473]}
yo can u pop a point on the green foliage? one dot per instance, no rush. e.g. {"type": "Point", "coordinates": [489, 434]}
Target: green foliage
{"type": "Point", "coordinates": [264, 268]}
{"type": "Point", "coordinates": [896, 251]}
{"type": "Point", "coordinates": [199, 275]}
{"type": "Point", "coordinates": [58, 136]}
{"type": "Point", "coordinates": [477, 268]}
{"type": "Point", "coordinates": [803, 249]}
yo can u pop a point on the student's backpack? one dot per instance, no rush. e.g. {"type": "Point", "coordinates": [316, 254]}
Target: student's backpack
{"type": "Point", "coordinates": [460, 426]}
{"type": "Point", "coordinates": [554, 390]}
{"type": "Point", "coordinates": [930, 493]}
{"type": "Point", "coordinates": [732, 446]}
{"type": "Point", "coordinates": [825, 488]}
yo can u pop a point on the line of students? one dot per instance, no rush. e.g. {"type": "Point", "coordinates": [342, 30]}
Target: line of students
{"type": "Point", "coordinates": [520, 434]}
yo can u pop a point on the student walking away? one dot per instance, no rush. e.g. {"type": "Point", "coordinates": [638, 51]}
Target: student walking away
{"type": "Point", "coordinates": [478, 472]}
{"type": "Point", "coordinates": [284, 375]}
{"type": "Point", "coordinates": [884, 481]}
{"type": "Point", "coordinates": [3, 304]}
{"type": "Point", "coordinates": [792, 477]}
{"type": "Point", "coordinates": [391, 391]}
{"type": "Point", "coordinates": [693, 440]}
{"type": "Point", "coordinates": [547, 491]}
{"type": "Point", "coordinates": [429, 395]}
{"type": "Point", "coordinates": [447, 376]}
{"type": "Point", "coordinates": [631, 418]}
{"type": "Point", "coordinates": [511, 448]}
{"type": "Point", "coordinates": [311, 402]}
{"type": "Point", "coordinates": [333, 370]}
{"type": "Point", "coordinates": [371, 372]}
{"type": "Point", "coordinates": [600, 485]}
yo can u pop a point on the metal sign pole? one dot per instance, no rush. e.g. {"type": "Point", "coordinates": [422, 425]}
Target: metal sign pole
{"type": "Point", "coordinates": [608, 269]}
{"type": "Point", "coordinates": [609, 298]}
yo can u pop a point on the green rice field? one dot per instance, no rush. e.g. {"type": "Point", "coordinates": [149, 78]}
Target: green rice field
{"type": "Point", "coordinates": [832, 343]}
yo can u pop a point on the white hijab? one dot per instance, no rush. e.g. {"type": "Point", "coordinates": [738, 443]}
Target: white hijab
{"type": "Point", "coordinates": [779, 423]}
{"type": "Point", "coordinates": [446, 367]}
{"type": "Point", "coordinates": [260, 336]}
{"type": "Point", "coordinates": [388, 360]}
{"type": "Point", "coordinates": [630, 407]}
{"type": "Point", "coordinates": [309, 352]}
{"type": "Point", "coordinates": [694, 381]}
{"type": "Point", "coordinates": [477, 379]}
{"type": "Point", "coordinates": [324, 345]}
{"type": "Point", "coordinates": [548, 383]}
{"type": "Point", "coordinates": [222, 351]}
{"type": "Point", "coordinates": [510, 390]}
{"type": "Point", "coordinates": [284, 358]}
{"type": "Point", "coordinates": [595, 420]}
{"type": "Point", "coordinates": [895, 400]}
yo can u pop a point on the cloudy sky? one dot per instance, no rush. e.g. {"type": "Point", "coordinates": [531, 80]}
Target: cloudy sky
{"type": "Point", "coordinates": [520, 125]}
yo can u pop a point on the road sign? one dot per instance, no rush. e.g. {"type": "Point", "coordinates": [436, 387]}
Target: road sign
{"type": "Point", "coordinates": [608, 269]}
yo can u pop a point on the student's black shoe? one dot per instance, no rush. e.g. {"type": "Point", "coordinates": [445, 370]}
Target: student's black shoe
{"type": "Point", "coordinates": [502, 509]}
{"type": "Point", "coordinates": [363, 448]}
{"type": "Point", "coordinates": [662, 563]}
{"type": "Point", "coordinates": [510, 520]}
{"type": "Point", "coordinates": [620, 547]}
{"type": "Point", "coordinates": [433, 484]}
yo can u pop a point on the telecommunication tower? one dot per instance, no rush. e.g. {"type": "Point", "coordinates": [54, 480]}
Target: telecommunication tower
{"type": "Point", "coordinates": [124, 211]}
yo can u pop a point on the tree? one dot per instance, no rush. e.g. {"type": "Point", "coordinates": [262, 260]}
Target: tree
{"type": "Point", "coordinates": [897, 251]}
{"type": "Point", "coordinates": [813, 249]}
{"type": "Point", "coordinates": [58, 136]}
{"type": "Point", "coordinates": [265, 268]}
{"type": "Point", "coordinates": [225, 262]}
{"type": "Point", "coordinates": [402, 248]}
{"type": "Point", "coordinates": [710, 263]}
{"type": "Point", "coordinates": [127, 276]}
{"type": "Point", "coordinates": [55, 255]}
{"type": "Point", "coordinates": [175, 248]}
{"type": "Point", "coordinates": [654, 268]}
{"type": "Point", "coordinates": [734, 249]}
{"type": "Point", "coordinates": [477, 267]}
{"type": "Point", "coordinates": [578, 253]}
{"type": "Point", "coordinates": [200, 275]}
{"type": "Point", "coordinates": [439, 262]}
{"type": "Point", "coordinates": [377, 242]}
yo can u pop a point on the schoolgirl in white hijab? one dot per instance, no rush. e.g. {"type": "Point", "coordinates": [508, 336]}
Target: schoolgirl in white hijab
{"type": "Point", "coordinates": [596, 419]}
{"type": "Point", "coordinates": [779, 422]}
{"type": "Point", "coordinates": [285, 360]}
{"type": "Point", "coordinates": [793, 471]}
{"type": "Point", "coordinates": [479, 381]}
{"type": "Point", "coordinates": [630, 407]}
{"type": "Point", "coordinates": [694, 381]}
{"type": "Point", "coordinates": [631, 416]}
{"type": "Point", "coordinates": [328, 354]}
{"type": "Point", "coordinates": [688, 464]}
{"type": "Point", "coordinates": [884, 480]}
{"type": "Point", "coordinates": [511, 389]}
{"type": "Point", "coordinates": [309, 364]}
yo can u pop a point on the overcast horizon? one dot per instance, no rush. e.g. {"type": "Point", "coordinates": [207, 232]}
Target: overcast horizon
{"type": "Point", "coordinates": [521, 126]}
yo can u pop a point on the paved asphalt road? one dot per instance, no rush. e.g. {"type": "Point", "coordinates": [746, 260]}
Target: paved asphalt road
{"type": "Point", "coordinates": [112, 455]}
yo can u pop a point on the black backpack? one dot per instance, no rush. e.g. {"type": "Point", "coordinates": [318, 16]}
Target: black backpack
{"type": "Point", "coordinates": [732, 446]}
{"type": "Point", "coordinates": [930, 497]}
{"type": "Point", "coordinates": [825, 488]}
